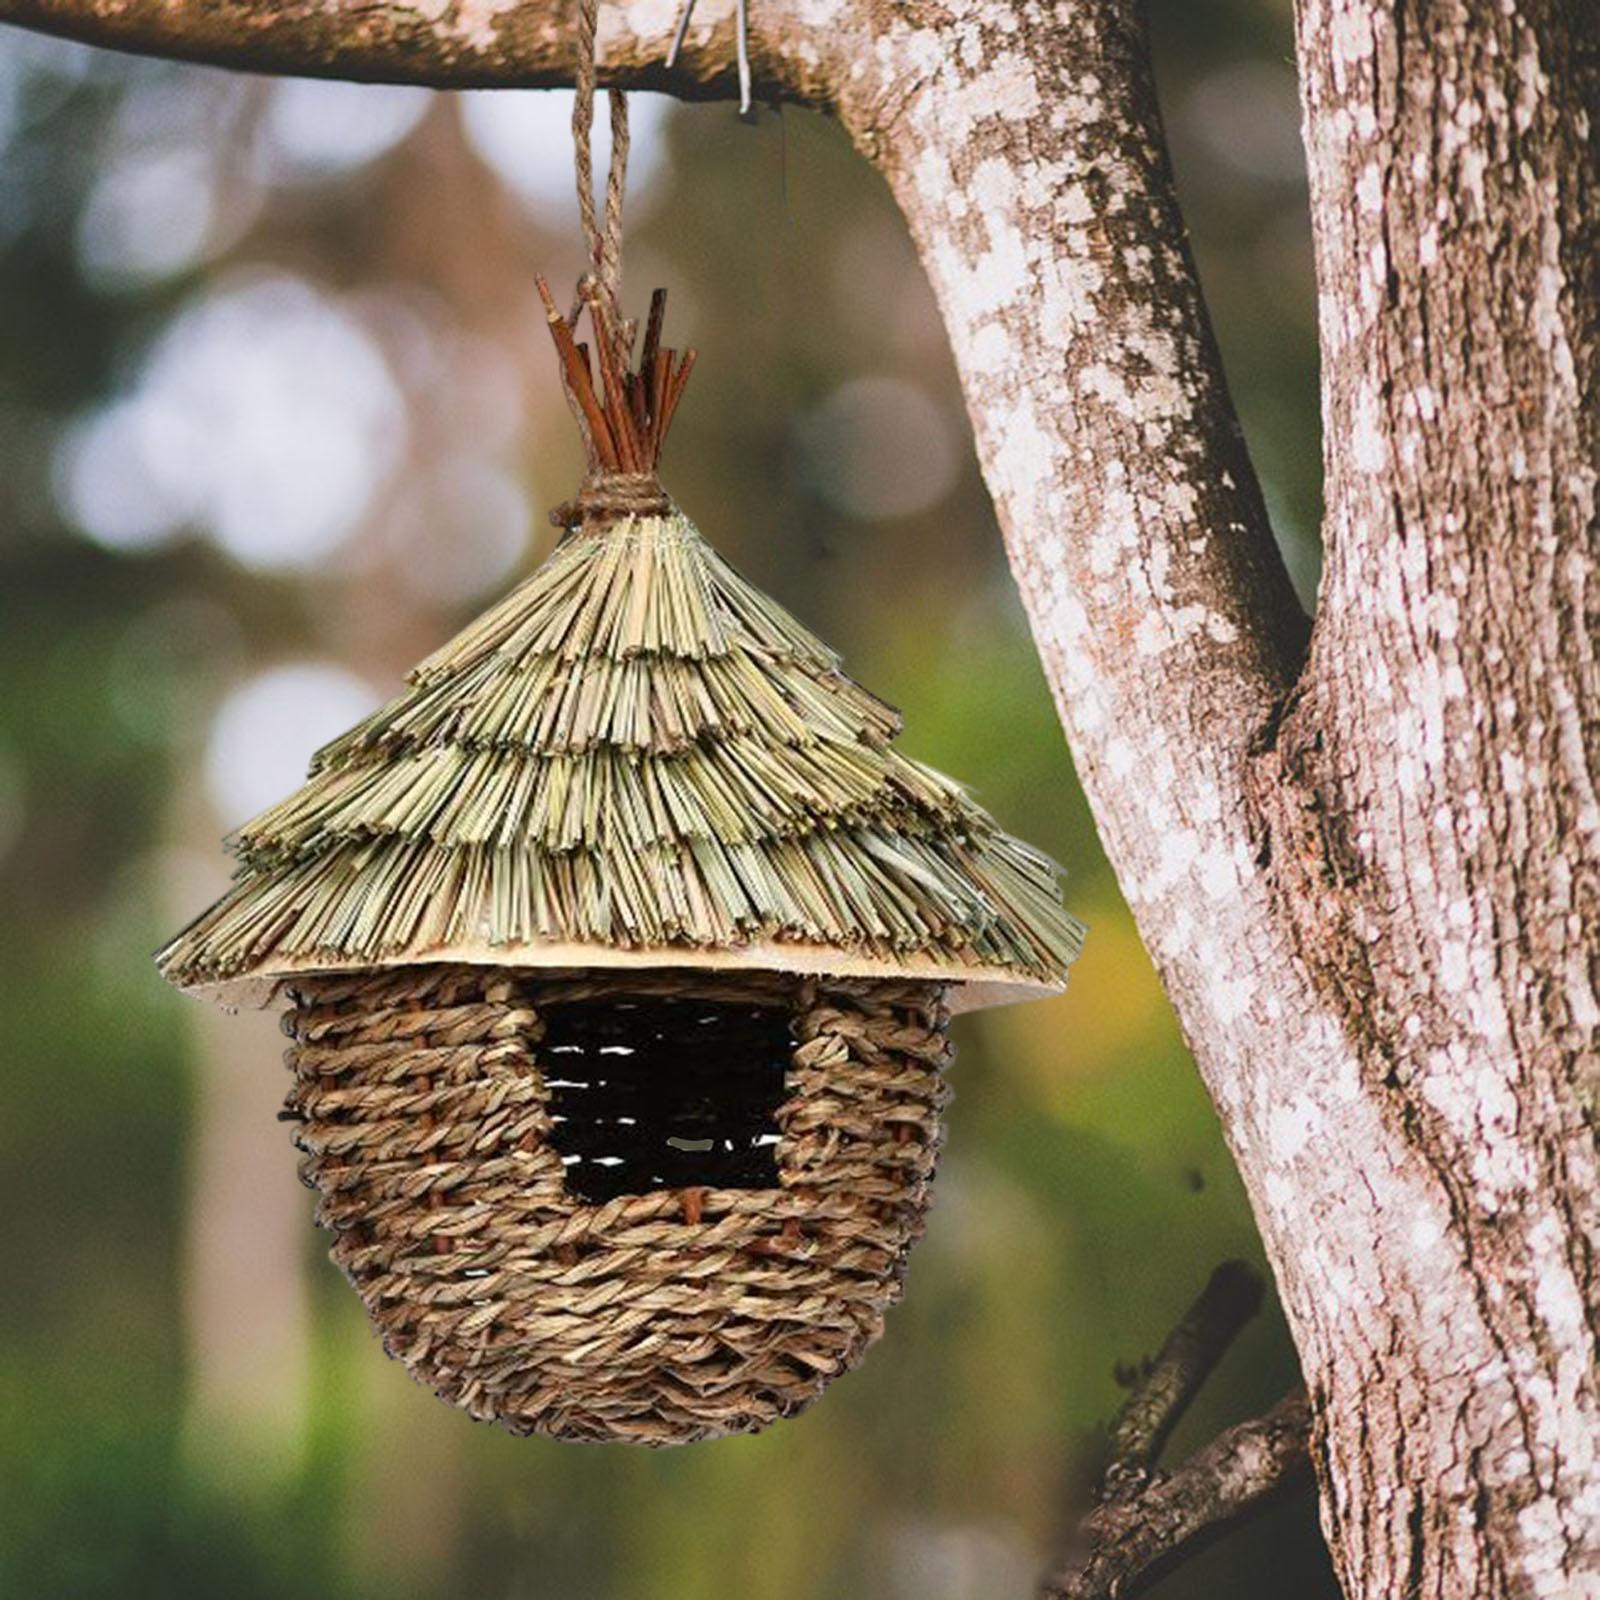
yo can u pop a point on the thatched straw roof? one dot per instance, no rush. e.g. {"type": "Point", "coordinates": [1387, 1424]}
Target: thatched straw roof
{"type": "Point", "coordinates": [636, 759]}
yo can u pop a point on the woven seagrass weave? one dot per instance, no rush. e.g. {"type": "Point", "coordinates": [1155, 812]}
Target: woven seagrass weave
{"type": "Point", "coordinates": [423, 1100]}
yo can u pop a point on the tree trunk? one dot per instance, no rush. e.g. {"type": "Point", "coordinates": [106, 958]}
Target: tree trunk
{"type": "Point", "coordinates": [1370, 873]}
{"type": "Point", "coordinates": [1386, 961]}
{"type": "Point", "coordinates": [1434, 825]}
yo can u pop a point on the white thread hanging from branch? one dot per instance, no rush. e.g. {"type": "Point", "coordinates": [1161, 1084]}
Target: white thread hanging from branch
{"type": "Point", "coordinates": [741, 23]}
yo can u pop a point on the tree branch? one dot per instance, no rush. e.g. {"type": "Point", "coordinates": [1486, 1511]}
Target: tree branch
{"type": "Point", "coordinates": [1133, 1539]}
{"type": "Point", "coordinates": [496, 44]}
{"type": "Point", "coordinates": [1144, 1521]}
{"type": "Point", "coordinates": [1171, 1381]}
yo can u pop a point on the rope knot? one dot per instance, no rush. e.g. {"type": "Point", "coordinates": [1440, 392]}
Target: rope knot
{"type": "Point", "coordinates": [608, 497]}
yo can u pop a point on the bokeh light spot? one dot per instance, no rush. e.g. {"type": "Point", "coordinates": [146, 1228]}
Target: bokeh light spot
{"type": "Point", "coordinates": [266, 731]}
{"type": "Point", "coordinates": [104, 483]}
{"type": "Point", "coordinates": [525, 136]}
{"type": "Point", "coordinates": [463, 534]}
{"type": "Point", "coordinates": [878, 448]}
{"type": "Point", "coordinates": [148, 217]}
{"type": "Point", "coordinates": [264, 416]}
{"type": "Point", "coordinates": [316, 128]}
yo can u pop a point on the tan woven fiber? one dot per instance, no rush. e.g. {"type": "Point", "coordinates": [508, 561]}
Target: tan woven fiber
{"type": "Point", "coordinates": [657, 1318]}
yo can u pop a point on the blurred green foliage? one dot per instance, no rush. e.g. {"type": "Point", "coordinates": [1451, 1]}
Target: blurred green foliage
{"type": "Point", "coordinates": [191, 1403]}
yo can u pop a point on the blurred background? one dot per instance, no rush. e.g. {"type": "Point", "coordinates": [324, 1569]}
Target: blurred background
{"type": "Point", "coordinates": [277, 414]}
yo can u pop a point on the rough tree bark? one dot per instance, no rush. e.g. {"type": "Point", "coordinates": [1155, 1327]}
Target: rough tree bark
{"type": "Point", "coordinates": [1370, 873]}
{"type": "Point", "coordinates": [1431, 805]}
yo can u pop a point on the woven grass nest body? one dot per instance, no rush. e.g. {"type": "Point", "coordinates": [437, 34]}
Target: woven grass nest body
{"type": "Point", "coordinates": [620, 950]}
{"type": "Point", "coordinates": [427, 1110]}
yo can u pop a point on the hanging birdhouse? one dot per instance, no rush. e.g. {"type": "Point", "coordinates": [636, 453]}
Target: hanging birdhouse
{"type": "Point", "coordinates": [619, 954]}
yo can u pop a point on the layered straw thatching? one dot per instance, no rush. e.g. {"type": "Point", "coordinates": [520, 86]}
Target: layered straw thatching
{"type": "Point", "coordinates": [635, 758]}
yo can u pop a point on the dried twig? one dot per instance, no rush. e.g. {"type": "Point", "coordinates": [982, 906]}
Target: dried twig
{"type": "Point", "coordinates": [1145, 1519]}
{"type": "Point", "coordinates": [579, 384]}
{"type": "Point", "coordinates": [1184, 1362]}
{"type": "Point", "coordinates": [1131, 1539]}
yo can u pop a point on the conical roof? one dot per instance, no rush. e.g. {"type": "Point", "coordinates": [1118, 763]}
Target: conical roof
{"type": "Point", "coordinates": [636, 759]}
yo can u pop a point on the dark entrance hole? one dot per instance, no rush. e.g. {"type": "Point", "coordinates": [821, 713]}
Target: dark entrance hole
{"type": "Point", "coordinates": [649, 1093]}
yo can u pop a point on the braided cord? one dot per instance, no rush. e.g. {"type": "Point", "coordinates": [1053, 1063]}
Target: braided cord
{"type": "Point", "coordinates": [602, 239]}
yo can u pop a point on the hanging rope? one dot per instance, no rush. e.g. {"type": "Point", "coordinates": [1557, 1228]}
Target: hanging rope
{"type": "Point", "coordinates": [603, 242]}
{"type": "Point", "coordinates": [623, 410]}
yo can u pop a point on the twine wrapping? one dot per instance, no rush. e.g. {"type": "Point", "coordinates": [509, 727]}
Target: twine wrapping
{"type": "Point", "coordinates": [609, 496]}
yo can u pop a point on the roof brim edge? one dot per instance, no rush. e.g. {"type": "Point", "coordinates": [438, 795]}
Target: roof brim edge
{"type": "Point", "coordinates": [972, 988]}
